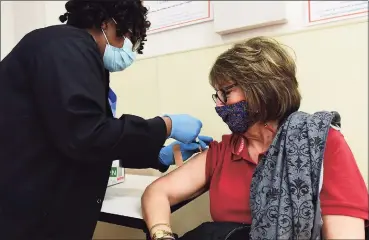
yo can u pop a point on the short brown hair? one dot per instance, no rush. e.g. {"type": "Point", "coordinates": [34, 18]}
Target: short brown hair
{"type": "Point", "coordinates": [266, 72]}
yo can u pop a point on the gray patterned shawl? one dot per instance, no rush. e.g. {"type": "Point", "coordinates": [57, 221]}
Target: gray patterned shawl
{"type": "Point", "coordinates": [284, 197]}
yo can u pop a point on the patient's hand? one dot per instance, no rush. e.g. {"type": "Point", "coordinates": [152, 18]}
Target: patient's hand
{"type": "Point", "coordinates": [166, 155]}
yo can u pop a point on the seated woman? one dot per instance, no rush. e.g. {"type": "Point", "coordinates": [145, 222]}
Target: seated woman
{"type": "Point", "coordinates": [281, 173]}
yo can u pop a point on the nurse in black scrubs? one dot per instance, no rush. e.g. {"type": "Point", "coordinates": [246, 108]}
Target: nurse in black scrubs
{"type": "Point", "coordinates": [58, 135]}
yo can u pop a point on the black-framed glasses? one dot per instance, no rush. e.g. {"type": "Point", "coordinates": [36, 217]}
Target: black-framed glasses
{"type": "Point", "coordinates": [222, 93]}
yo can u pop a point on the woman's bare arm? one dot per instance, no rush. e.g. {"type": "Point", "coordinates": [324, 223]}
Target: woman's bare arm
{"type": "Point", "coordinates": [343, 227]}
{"type": "Point", "coordinates": [177, 186]}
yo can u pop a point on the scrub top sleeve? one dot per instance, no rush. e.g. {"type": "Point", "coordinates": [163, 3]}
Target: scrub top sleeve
{"type": "Point", "coordinates": [69, 91]}
{"type": "Point", "coordinates": [141, 142]}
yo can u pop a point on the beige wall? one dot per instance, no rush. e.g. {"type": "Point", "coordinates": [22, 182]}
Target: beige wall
{"type": "Point", "coordinates": [333, 75]}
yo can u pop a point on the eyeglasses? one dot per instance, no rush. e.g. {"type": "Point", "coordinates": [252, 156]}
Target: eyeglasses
{"type": "Point", "coordinates": [135, 41]}
{"type": "Point", "coordinates": [221, 94]}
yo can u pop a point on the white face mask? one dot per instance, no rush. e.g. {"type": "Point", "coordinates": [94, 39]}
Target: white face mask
{"type": "Point", "coordinates": [117, 59]}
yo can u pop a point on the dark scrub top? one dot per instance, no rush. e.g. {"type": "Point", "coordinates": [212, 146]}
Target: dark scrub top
{"type": "Point", "coordinates": [58, 137]}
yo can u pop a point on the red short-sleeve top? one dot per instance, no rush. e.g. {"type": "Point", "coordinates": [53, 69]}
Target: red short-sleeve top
{"type": "Point", "coordinates": [229, 172]}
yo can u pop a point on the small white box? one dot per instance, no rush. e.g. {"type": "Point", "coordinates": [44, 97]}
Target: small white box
{"type": "Point", "coordinates": [117, 174]}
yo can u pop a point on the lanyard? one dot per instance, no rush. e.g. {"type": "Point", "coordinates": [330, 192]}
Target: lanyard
{"type": "Point", "coordinates": [112, 97]}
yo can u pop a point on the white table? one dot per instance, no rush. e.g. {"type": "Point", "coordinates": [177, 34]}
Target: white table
{"type": "Point", "coordinates": [124, 199]}
{"type": "Point", "coordinates": [122, 202]}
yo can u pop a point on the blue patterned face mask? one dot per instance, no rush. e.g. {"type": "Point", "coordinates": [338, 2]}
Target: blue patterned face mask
{"type": "Point", "coordinates": [112, 97]}
{"type": "Point", "coordinates": [236, 116]}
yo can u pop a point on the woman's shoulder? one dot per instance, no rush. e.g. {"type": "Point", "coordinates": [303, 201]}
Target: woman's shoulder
{"type": "Point", "coordinates": [337, 146]}
{"type": "Point", "coordinates": [215, 154]}
{"type": "Point", "coordinates": [334, 134]}
{"type": "Point", "coordinates": [337, 149]}
{"type": "Point", "coordinates": [226, 140]}
{"type": "Point", "coordinates": [221, 146]}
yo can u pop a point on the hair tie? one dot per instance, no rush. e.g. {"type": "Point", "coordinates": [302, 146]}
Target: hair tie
{"type": "Point", "coordinates": [64, 17]}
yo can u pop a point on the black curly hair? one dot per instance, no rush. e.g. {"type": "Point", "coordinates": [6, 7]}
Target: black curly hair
{"type": "Point", "coordinates": [130, 15]}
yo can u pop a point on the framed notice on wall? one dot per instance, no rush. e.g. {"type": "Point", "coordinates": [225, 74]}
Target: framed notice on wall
{"type": "Point", "coordinates": [165, 15]}
{"type": "Point", "coordinates": [329, 11]}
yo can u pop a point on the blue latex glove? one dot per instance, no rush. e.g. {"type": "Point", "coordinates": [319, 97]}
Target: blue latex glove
{"type": "Point", "coordinates": [185, 128]}
{"type": "Point", "coordinates": [166, 155]}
